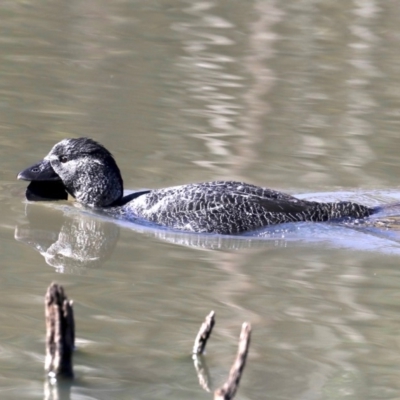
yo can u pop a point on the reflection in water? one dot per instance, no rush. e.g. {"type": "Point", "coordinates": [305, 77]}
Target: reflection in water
{"type": "Point", "coordinates": [202, 371]}
{"type": "Point", "coordinates": [57, 390]}
{"type": "Point", "coordinates": [342, 112]}
{"type": "Point", "coordinates": [360, 102]}
{"type": "Point", "coordinates": [73, 239]}
{"type": "Point", "coordinates": [72, 242]}
{"type": "Point", "coordinates": [211, 82]}
{"type": "Point", "coordinates": [77, 237]}
{"type": "Point", "coordinates": [262, 38]}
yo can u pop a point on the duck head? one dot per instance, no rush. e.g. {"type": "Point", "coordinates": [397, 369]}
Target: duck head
{"type": "Point", "coordinates": [87, 170]}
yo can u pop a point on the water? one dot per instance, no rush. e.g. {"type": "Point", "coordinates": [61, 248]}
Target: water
{"type": "Point", "coordinates": [300, 96]}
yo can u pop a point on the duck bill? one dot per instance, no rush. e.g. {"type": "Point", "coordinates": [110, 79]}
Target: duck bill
{"type": "Point", "coordinates": [42, 171]}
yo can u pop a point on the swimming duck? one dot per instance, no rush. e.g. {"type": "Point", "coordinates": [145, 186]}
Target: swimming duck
{"type": "Point", "coordinates": [90, 174]}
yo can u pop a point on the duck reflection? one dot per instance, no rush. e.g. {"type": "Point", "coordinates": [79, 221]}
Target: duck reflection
{"type": "Point", "coordinates": [68, 241]}
{"type": "Point", "coordinates": [71, 238]}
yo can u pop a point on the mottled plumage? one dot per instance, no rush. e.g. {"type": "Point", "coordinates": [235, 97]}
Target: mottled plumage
{"type": "Point", "coordinates": [91, 175]}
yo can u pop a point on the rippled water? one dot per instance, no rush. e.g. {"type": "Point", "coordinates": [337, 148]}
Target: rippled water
{"type": "Point", "coordinates": [300, 96]}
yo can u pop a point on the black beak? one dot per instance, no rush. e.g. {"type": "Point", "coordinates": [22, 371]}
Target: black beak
{"type": "Point", "coordinates": [45, 183]}
{"type": "Point", "coordinates": [42, 171]}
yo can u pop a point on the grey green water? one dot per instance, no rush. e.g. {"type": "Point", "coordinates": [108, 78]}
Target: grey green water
{"type": "Point", "coordinates": [301, 96]}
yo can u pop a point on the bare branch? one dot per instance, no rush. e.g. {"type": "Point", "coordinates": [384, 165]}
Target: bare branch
{"type": "Point", "coordinates": [228, 390]}
{"type": "Point", "coordinates": [204, 333]}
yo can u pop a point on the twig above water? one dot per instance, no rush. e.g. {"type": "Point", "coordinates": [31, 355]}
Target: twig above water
{"type": "Point", "coordinates": [228, 390]}
{"type": "Point", "coordinates": [204, 333]}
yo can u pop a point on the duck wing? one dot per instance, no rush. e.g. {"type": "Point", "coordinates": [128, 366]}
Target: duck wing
{"type": "Point", "coordinates": [269, 200]}
{"type": "Point", "coordinates": [219, 207]}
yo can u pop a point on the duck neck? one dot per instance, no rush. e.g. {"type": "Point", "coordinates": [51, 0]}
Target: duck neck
{"type": "Point", "coordinates": [99, 186]}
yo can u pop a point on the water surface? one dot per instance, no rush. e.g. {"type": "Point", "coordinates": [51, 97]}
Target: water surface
{"type": "Point", "coordinates": [300, 96]}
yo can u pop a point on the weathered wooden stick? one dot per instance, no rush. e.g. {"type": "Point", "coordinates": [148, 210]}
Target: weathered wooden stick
{"type": "Point", "coordinates": [228, 390]}
{"type": "Point", "coordinates": [204, 333]}
{"type": "Point", "coordinates": [60, 332]}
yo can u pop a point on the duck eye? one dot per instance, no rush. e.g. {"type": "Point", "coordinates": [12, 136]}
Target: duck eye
{"type": "Point", "coordinates": [63, 159]}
